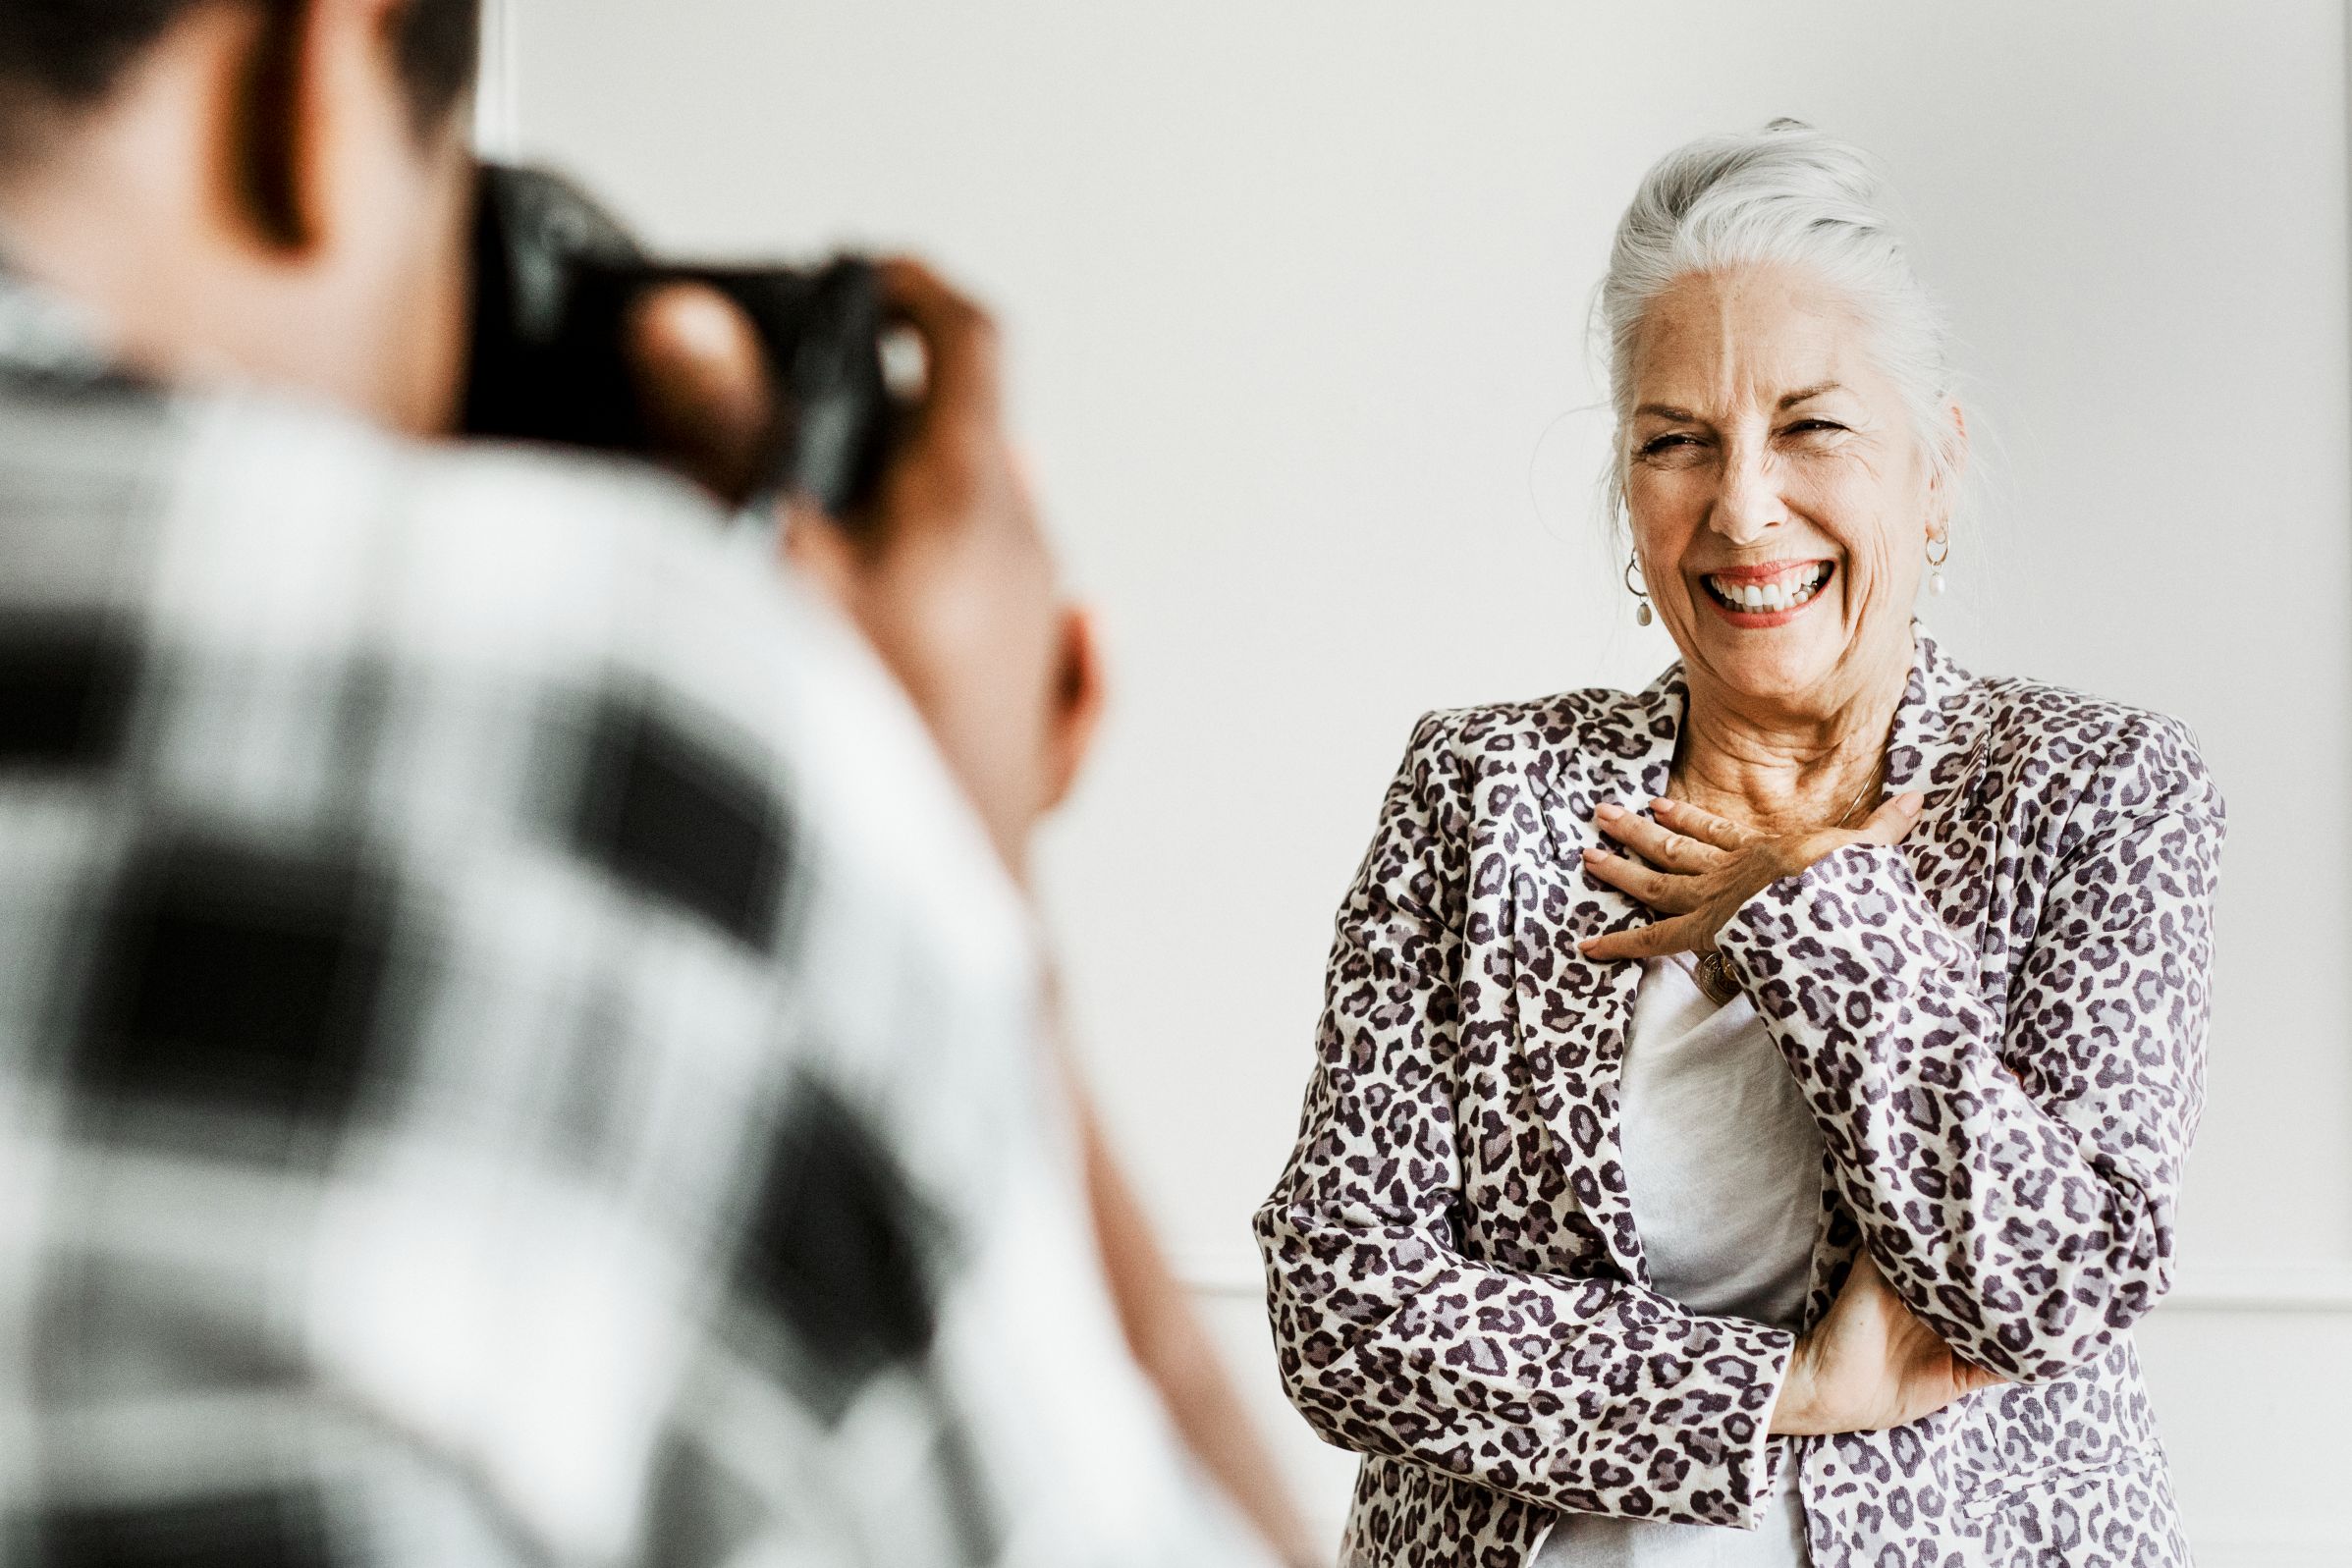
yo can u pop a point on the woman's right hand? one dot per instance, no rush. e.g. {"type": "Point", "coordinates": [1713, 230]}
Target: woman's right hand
{"type": "Point", "coordinates": [1869, 1364]}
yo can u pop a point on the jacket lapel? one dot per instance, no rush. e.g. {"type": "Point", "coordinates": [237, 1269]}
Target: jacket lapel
{"type": "Point", "coordinates": [1939, 727]}
{"type": "Point", "coordinates": [1573, 1011]}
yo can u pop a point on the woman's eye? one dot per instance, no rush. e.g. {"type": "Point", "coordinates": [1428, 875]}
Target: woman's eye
{"type": "Point", "coordinates": [1659, 446]}
{"type": "Point", "coordinates": [1807, 427]}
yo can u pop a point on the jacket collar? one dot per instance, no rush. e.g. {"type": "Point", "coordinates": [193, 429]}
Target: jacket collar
{"type": "Point", "coordinates": [1938, 724]}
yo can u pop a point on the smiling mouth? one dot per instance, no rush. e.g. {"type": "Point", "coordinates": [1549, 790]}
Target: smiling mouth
{"type": "Point", "coordinates": [1747, 594]}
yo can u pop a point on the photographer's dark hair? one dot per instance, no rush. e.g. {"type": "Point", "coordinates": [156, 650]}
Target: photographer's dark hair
{"type": "Point", "coordinates": [71, 53]}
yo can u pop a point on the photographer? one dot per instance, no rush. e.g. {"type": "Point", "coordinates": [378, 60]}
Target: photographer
{"type": "Point", "coordinates": [516, 1050]}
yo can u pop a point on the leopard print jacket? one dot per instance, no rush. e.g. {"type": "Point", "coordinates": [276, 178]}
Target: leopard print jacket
{"type": "Point", "coordinates": [1999, 1025]}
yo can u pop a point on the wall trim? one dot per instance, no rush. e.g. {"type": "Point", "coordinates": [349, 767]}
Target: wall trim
{"type": "Point", "coordinates": [2263, 1285]}
{"type": "Point", "coordinates": [2227, 1543]}
{"type": "Point", "coordinates": [2228, 1285]}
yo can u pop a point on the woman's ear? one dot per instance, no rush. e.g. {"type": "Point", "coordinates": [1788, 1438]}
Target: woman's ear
{"type": "Point", "coordinates": [1080, 693]}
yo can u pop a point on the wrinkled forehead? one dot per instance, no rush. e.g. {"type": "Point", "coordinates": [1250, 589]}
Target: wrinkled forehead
{"type": "Point", "coordinates": [1723, 344]}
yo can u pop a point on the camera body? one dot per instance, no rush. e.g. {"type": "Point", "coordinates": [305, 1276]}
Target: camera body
{"type": "Point", "coordinates": [555, 278]}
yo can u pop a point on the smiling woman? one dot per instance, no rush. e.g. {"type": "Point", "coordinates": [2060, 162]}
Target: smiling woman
{"type": "Point", "coordinates": [1760, 1101]}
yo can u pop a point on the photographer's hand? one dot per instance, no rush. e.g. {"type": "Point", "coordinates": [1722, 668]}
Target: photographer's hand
{"type": "Point", "coordinates": [704, 385]}
{"type": "Point", "coordinates": [949, 577]}
{"type": "Point", "coordinates": [951, 581]}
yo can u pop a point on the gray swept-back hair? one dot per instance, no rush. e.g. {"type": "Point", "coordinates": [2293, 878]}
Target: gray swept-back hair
{"type": "Point", "coordinates": [1790, 195]}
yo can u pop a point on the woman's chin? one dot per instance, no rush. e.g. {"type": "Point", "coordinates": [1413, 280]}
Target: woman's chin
{"type": "Point", "coordinates": [1770, 669]}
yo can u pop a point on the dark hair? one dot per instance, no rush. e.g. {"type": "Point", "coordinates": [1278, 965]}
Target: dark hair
{"type": "Point", "coordinates": [71, 52]}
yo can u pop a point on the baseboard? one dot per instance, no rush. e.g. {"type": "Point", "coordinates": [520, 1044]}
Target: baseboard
{"type": "Point", "coordinates": [2263, 1285]}
{"type": "Point", "coordinates": [2225, 1285]}
{"type": "Point", "coordinates": [2261, 1544]}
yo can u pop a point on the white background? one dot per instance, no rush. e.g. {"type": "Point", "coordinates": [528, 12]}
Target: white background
{"type": "Point", "coordinates": [1295, 300]}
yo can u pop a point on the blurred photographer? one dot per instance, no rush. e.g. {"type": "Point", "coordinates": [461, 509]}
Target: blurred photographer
{"type": "Point", "coordinates": [516, 1050]}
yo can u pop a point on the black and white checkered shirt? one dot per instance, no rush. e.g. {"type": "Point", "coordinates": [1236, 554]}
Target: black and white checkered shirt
{"type": "Point", "coordinates": [514, 1050]}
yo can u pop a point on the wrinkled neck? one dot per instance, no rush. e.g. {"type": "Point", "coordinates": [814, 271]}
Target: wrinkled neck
{"type": "Point", "coordinates": [1787, 768]}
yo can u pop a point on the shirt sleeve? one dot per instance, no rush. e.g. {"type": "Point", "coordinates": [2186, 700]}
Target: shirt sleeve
{"type": "Point", "coordinates": [1590, 1396]}
{"type": "Point", "coordinates": [2014, 1161]}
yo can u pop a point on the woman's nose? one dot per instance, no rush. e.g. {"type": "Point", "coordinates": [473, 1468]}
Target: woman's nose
{"type": "Point", "coordinates": [1749, 502]}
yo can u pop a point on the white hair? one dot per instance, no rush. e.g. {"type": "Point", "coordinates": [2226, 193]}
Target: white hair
{"type": "Point", "coordinates": [1788, 196]}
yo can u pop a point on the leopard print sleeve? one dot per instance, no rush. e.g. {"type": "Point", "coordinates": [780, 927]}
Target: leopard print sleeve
{"type": "Point", "coordinates": [2008, 1120]}
{"type": "Point", "coordinates": [1395, 1337]}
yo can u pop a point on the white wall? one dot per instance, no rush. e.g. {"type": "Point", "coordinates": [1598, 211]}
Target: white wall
{"type": "Point", "coordinates": [1296, 301]}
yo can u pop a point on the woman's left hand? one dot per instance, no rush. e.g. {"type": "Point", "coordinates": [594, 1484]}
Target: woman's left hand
{"type": "Point", "coordinates": [1869, 1364]}
{"type": "Point", "coordinates": [1697, 868]}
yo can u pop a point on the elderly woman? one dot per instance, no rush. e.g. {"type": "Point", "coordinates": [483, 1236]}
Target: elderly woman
{"type": "Point", "coordinates": [1749, 1112]}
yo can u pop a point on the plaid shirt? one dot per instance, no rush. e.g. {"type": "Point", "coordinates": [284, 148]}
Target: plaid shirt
{"type": "Point", "coordinates": [515, 1051]}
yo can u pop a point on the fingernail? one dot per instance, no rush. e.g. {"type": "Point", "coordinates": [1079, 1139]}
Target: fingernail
{"type": "Point", "coordinates": [1595, 854]}
{"type": "Point", "coordinates": [1660, 803]}
{"type": "Point", "coordinates": [1608, 810]}
{"type": "Point", "coordinates": [1912, 800]}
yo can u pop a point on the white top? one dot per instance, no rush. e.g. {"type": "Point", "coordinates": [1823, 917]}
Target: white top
{"type": "Point", "coordinates": [1724, 1168]}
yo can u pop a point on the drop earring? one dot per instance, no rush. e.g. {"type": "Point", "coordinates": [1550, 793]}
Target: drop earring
{"type": "Point", "coordinates": [1939, 550]}
{"type": "Point", "coordinates": [1642, 613]}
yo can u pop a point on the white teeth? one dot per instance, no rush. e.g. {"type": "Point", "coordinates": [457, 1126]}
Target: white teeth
{"type": "Point", "coordinates": [1781, 593]}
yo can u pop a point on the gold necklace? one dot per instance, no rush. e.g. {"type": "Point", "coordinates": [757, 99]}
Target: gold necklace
{"type": "Point", "coordinates": [1853, 805]}
{"type": "Point", "coordinates": [1712, 970]}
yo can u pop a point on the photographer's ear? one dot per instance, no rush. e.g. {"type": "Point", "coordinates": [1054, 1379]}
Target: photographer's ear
{"type": "Point", "coordinates": [270, 131]}
{"type": "Point", "coordinates": [316, 121]}
{"type": "Point", "coordinates": [1080, 693]}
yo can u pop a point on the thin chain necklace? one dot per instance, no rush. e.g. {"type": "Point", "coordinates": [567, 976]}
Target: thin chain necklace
{"type": "Point", "coordinates": [1712, 970]}
{"type": "Point", "coordinates": [1855, 804]}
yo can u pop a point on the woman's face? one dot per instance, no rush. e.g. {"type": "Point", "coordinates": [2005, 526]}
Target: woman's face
{"type": "Point", "coordinates": [1780, 503]}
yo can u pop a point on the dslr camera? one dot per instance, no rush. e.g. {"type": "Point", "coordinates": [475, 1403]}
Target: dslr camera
{"type": "Point", "coordinates": [555, 278]}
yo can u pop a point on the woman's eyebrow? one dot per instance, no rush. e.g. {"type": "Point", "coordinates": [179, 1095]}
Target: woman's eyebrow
{"type": "Point", "coordinates": [1667, 410]}
{"type": "Point", "coordinates": [1792, 398]}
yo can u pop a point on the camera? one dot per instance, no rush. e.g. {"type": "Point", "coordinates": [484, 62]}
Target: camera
{"type": "Point", "coordinates": [555, 278]}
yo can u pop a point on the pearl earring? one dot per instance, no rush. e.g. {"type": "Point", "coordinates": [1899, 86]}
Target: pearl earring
{"type": "Point", "coordinates": [1642, 613]}
{"type": "Point", "coordinates": [1939, 550]}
